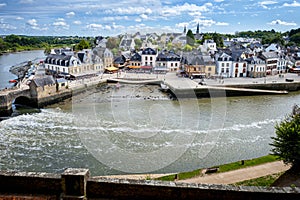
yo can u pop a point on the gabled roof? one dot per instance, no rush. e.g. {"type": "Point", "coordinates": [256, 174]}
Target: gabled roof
{"type": "Point", "coordinates": [43, 81]}
{"type": "Point", "coordinates": [136, 57]}
{"type": "Point", "coordinates": [255, 60]}
{"type": "Point", "coordinates": [149, 51]}
{"type": "Point", "coordinates": [268, 55]}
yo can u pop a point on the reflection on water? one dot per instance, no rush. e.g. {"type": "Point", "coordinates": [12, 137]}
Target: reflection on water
{"type": "Point", "coordinates": [59, 136]}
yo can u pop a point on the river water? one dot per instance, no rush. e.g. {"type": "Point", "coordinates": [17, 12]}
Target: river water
{"type": "Point", "coordinates": [8, 60]}
{"type": "Point", "coordinates": [137, 129]}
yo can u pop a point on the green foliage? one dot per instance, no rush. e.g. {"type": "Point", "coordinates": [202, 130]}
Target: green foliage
{"type": "Point", "coordinates": [83, 44]}
{"type": "Point", "coordinates": [138, 43]}
{"type": "Point", "coordinates": [190, 39]}
{"type": "Point", "coordinates": [295, 38]}
{"type": "Point", "coordinates": [223, 168]}
{"type": "Point", "coordinates": [188, 48]}
{"type": "Point", "coordinates": [265, 181]}
{"type": "Point", "coordinates": [247, 163]}
{"type": "Point", "coordinates": [286, 143]}
{"type": "Point", "coordinates": [113, 42]}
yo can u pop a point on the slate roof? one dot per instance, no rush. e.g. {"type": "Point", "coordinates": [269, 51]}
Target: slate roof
{"type": "Point", "coordinates": [136, 57]}
{"type": "Point", "coordinates": [255, 60]}
{"type": "Point", "coordinates": [167, 56]}
{"type": "Point", "coordinates": [149, 51]}
{"type": "Point", "coordinates": [43, 81]}
{"type": "Point", "coordinates": [52, 58]}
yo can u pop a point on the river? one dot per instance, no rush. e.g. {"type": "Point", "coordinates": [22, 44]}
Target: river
{"type": "Point", "coordinates": [137, 129]}
{"type": "Point", "coordinates": [8, 60]}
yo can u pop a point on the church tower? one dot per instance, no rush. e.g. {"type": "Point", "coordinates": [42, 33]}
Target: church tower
{"type": "Point", "coordinates": [184, 30]}
{"type": "Point", "coordinates": [197, 32]}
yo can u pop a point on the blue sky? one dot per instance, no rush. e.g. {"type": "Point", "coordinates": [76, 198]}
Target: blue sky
{"type": "Point", "coordinates": [109, 18]}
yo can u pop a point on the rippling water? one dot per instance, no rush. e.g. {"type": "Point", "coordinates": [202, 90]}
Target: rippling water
{"type": "Point", "coordinates": [138, 129]}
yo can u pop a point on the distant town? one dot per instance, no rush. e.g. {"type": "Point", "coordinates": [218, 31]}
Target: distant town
{"type": "Point", "coordinates": [238, 57]}
{"type": "Point", "coordinates": [192, 55]}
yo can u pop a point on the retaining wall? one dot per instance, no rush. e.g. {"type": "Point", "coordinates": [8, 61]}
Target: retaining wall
{"type": "Point", "coordinates": [76, 184]}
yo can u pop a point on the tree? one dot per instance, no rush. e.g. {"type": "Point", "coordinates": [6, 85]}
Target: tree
{"type": "Point", "coordinates": [190, 39]}
{"type": "Point", "coordinates": [287, 141]}
{"type": "Point", "coordinates": [83, 44]}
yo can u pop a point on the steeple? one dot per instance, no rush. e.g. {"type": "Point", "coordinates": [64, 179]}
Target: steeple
{"type": "Point", "coordinates": [197, 32]}
{"type": "Point", "coordinates": [184, 30]}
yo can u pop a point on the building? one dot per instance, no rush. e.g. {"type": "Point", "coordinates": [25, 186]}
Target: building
{"type": "Point", "coordinates": [106, 55]}
{"type": "Point", "coordinates": [194, 65]}
{"type": "Point", "coordinates": [62, 63]}
{"type": "Point", "coordinates": [135, 60]}
{"type": "Point", "coordinates": [271, 58]}
{"type": "Point", "coordinates": [209, 66]}
{"type": "Point", "coordinates": [256, 67]}
{"type": "Point", "coordinates": [169, 60]}
{"type": "Point", "coordinates": [67, 64]}
{"type": "Point", "coordinates": [148, 57]}
{"type": "Point", "coordinates": [224, 65]}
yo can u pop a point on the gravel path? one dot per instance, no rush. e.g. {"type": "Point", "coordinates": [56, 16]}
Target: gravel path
{"type": "Point", "coordinates": [240, 174]}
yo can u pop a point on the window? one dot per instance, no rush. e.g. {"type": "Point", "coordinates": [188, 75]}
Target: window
{"type": "Point", "coordinates": [222, 70]}
{"type": "Point", "coordinates": [223, 64]}
{"type": "Point", "coordinates": [151, 58]}
{"type": "Point", "coordinates": [227, 70]}
{"type": "Point", "coordinates": [227, 64]}
{"type": "Point", "coordinates": [209, 69]}
{"type": "Point", "coordinates": [146, 57]}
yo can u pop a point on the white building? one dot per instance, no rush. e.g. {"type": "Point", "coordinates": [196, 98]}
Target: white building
{"type": "Point", "coordinates": [224, 65]}
{"type": "Point", "coordinates": [149, 57]}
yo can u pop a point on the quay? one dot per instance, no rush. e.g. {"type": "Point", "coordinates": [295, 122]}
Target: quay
{"type": "Point", "coordinates": [45, 91]}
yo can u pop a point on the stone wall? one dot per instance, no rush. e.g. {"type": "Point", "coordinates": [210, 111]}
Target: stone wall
{"type": "Point", "coordinates": [76, 184]}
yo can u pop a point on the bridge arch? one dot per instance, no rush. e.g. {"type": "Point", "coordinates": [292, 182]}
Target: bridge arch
{"type": "Point", "coordinates": [24, 100]}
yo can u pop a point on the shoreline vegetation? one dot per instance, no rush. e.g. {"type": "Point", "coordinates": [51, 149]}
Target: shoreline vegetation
{"type": "Point", "coordinates": [226, 168]}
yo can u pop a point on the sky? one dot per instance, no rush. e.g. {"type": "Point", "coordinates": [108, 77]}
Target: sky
{"type": "Point", "coordinates": [110, 18]}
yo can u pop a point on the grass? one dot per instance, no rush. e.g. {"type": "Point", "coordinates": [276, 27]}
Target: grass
{"type": "Point", "coordinates": [266, 181]}
{"type": "Point", "coordinates": [247, 163]}
{"type": "Point", "coordinates": [222, 168]}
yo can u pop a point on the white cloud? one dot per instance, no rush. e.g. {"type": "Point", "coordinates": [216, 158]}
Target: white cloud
{"type": "Point", "coordinates": [60, 23]}
{"type": "Point", "coordinates": [77, 22]}
{"type": "Point", "coordinates": [279, 22]}
{"type": "Point", "coordinates": [2, 5]}
{"type": "Point", "coordinates": [70, 14]}
{"type": "Point", "coordinates": [218, 1]}
{"type": "Point", "coordinates": [294, 4]}
{"type": "Point", "coordinates": [265, 4]}
{"type": "Point", "coordinates": [94, 26]}
{"type": "Point", "coordinates": [222, 24]}
{"type": "Point", "coordinates": [32, 22]}
{"type": "Point", "coordinates": [143, 16]}
{"type": "Point", "coordinates": [19, 18]}
{"type": "Point", "coordinates": [6, 26]}
{"type": "Point", "coordinates": [138, 20]}
{"type": "Point", "coordinates": [114, 18]}
{"type": "Point", "coordinates": [182, 25]}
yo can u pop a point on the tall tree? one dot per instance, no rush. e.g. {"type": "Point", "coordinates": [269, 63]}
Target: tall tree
{"type": "Point", "coordinates": [190, 39]}
{"type": "Point", "coordinates": [286, 143]}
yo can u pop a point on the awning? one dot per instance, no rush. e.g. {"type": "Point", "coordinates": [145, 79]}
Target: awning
{"type": "Point", "coordinates": [112, 68]}
{"type": "Point", "coordinates": [146, 67]}
{"type": "Point", "coordinates": [134, 67]}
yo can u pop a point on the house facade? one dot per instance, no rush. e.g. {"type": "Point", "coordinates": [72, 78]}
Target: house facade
{"type": "Point", "coordinates": [149, 57]}
{"type": "Point", "coordinates": [169, 60]}
{"type": "Point", "coordinates": [256, 67]}
{"type": "Point", "coordinates": [224, 65]}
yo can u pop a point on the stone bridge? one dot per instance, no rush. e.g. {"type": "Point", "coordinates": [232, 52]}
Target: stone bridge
{"type": "Point", "coordinates": [15, 95]}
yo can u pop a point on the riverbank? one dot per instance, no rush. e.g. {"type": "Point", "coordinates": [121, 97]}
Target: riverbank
{"type": "Point", "coordinates": [225, 174]}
